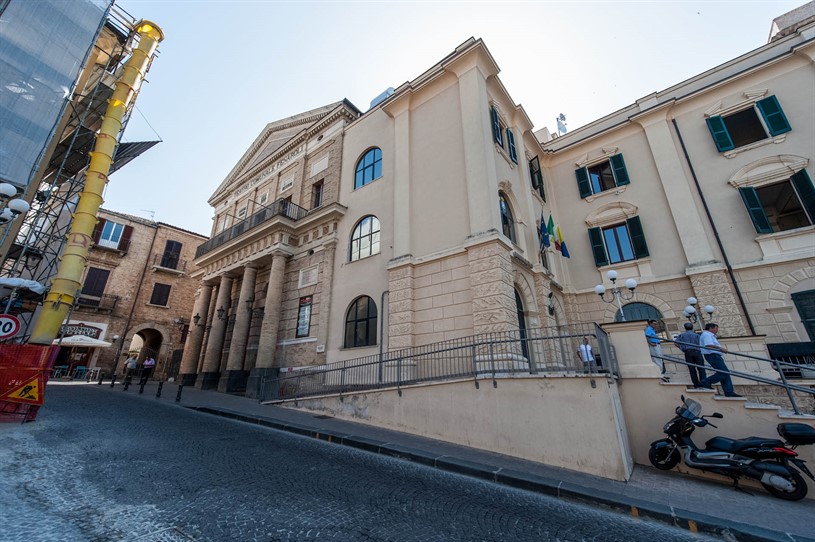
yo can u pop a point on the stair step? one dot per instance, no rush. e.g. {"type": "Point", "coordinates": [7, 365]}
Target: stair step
{"type": "Point", "coordinates": [725, 398]}
{"type": "Point", "coordinates": [695, 390]}
{"type": "Point", "coordinates": [790, 415]}
{"type": "Point", "coordinates": [761, 406]}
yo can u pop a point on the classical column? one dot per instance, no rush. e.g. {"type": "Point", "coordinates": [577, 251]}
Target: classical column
{"type": "Point", "coordinates": [215, 343]}
{"type": "Point", "coordinates": [234, 379]}
{"type": "Point", "coordinates": [264, 365]}
{"type": "Point", "coordinates": [195, 337]}
{"type": "Point", "coordinates": [329, 252]}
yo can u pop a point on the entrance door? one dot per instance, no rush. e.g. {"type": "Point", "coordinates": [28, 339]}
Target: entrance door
{"type": "Point", "coordinates": [521, 323]}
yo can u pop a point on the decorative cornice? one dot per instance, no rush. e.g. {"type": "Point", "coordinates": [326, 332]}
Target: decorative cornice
{"type": "Point", "coordinates": [762, 171]}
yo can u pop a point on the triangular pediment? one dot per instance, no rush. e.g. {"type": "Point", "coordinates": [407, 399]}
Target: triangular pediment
{"type": "Point", "coordinates": [276, 137]}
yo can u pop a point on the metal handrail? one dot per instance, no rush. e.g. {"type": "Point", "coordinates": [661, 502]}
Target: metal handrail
{"type": "Point", "coordinates": [747, 376]}
{"type": "Point", "coordinates": [509, 352]}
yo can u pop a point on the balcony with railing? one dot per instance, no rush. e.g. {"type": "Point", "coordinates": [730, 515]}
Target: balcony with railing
{"type": "Point", "coordinates": [169, 262]}
{"type": "Point", "coordinates": [92, 303]}
{"type": "Point", "coordinates": [277, 208]}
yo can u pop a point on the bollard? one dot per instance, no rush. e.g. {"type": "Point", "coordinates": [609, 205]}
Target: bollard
{"type": "Point", "coordinates": [141, 386]}
{"type": "Point", "coordinates": [178, 395]}
{"type": "Point", "coordinates": [113, 380]}
{"type": "Point", "coordinates": [101, 376]}
{"type": "Point", "coordinates": [158, 391]}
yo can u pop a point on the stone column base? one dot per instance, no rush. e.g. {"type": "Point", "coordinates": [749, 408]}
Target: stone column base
{"type": "Point", "coordinates": [260, 385]}
{"type": "Point", "coordinates": [233, 381]}
{"type": "Point", "coordinates": [187, 379]}
{"type": "Point", "coordinates": [208, 381]}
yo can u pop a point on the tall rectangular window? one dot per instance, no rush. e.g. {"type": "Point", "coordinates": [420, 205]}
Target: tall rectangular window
{"type": "Point", "coordinates": [317, 194]}
{"type": "Point", "coordinates": [602, 176]}
{"type": "Point", "coordinates": [94, 286]}
{"type": "Point", "coordinates": [618, 243]}
{"type": "Point", "coordinates": [756, 122]}
{"type": "Point", "coordinates": [304, 317]}
{"type": "Point", "coordinates": [161, 295]}
{"type": "Point", "coordinates": [171, 255]}
{"type": "Point", "coordinates": [111, 234]}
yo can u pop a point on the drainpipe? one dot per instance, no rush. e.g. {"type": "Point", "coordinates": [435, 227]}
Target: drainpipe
{"type": "Point", "coordinates": [715, 231]}
{"type": "Point", "coordinates": [66, 284]}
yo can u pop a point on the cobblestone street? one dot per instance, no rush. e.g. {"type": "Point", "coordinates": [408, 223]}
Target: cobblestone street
{"type": "Point", "coordinates": [100, 464]}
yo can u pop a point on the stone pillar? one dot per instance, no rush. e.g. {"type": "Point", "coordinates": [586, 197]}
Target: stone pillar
{"type": "Point", "coordinates": [215, 343]}
{"type": "Point", "coordinates": [265, 363]}
{"type": "Point", "coordinates": [206, 322]}
{"type": "Point", "coordinates": [327, 281]}
{"type": "Point", "coordinates": [195, 338]}
{"type": "Point", "coordinates": [491, 280]}
{"type": "Point", "coordinates": [400, 308]}
{"type": "Point", "coordinates": [234, 379]}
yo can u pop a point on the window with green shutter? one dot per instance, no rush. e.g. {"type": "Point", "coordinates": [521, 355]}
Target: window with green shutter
{"type": "Point", "coordinates": [497, 131]}
{"type": "Point", "coordinates": [513, 154]}
{"type": "Point", "coordinates": [781, 206]}
{"type": "Point", "coordinates": [603, 176]}
{"type": "Point", "coordinates": [536, 176]}
{"type": "Point", "coordinates": [749, 125]}
{"type": "Point", "coordinates": [618, 243]}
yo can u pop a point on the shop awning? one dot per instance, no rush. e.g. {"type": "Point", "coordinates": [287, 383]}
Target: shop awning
{"type": "Point", "coordinates": [82, 340]}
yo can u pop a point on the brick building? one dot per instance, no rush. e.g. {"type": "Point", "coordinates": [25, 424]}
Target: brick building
{"type": "Point", "coordinates": [136, 293]}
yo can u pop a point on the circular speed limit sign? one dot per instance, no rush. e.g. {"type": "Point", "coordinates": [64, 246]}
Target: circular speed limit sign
{"type": "Point", "coordinates": [9, 326]}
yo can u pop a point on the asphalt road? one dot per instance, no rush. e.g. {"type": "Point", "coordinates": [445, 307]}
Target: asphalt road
{"type": "Point", "coordinates": [102, 465]}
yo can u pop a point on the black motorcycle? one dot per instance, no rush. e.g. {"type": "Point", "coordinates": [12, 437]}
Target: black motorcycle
{"type": "Point", "coordinates": [771, 461]}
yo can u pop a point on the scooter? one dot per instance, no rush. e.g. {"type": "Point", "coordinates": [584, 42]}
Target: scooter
{"type": "Point", "coordinates": [771, 461]}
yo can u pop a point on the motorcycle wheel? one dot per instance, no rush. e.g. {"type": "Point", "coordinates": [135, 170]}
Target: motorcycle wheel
{"type": "Point", "coordinates": [665, 458]}
{"type": "Point", "coordinates": [796, 494]}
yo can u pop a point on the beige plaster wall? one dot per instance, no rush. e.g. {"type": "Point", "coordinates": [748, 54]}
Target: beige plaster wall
{"type": "Point", "coordinates": [561, 421]}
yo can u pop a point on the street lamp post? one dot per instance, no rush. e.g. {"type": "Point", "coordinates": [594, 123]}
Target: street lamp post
{"type": "Point", "coordinates": [693, 315]}
{"type": "Point", "coordinates": [617, 296]}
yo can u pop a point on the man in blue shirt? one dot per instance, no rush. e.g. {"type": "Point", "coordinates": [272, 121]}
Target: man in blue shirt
{"type": "Point", "coordinates": [688, 343]}
{"type": "Point", "coordinates": [713, 351]}
{"type": "Point", "coordinates": [655, 347]}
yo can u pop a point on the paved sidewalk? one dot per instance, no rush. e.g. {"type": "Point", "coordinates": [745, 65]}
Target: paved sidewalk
{"type": "Point", "coordinates": [687, 502]}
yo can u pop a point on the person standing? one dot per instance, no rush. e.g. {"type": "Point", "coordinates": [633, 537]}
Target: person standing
{"type": "Point", "coordinates": [655, 347]}
{"type": "Point", "coordinates": [712, 351]}
{"type": "Point", "coordinates": [130, 367]}
{"type": "Point", "coordinates": [688, 343]}
{"type": "Point", "coordinates": [587, 356]}
{"type": "Point", "coordinates": [147, 368]}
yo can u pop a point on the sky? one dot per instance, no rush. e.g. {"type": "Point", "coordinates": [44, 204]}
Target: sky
{"type": "Point", "coordinates": [227, 68]}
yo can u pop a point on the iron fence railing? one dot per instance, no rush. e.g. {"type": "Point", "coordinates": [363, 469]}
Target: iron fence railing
{"type": "Point", "coordinates": [533, 351]}
{"type": "Point", "coordinates": [778, 365]}
{"type": "Point", "coordinates": [281, 207]}
{"type": "Point", "coordinates": [169, 260]}
{"type": "Point", "coordinates": [104, 302]}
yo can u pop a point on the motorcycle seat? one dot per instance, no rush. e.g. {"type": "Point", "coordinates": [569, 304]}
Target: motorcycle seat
{"type": "Point", "coordinates": [733, 446]}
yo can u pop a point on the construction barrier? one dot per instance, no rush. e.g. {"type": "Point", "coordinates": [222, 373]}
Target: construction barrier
{"type": "Point", "coordinates": [24, 372]}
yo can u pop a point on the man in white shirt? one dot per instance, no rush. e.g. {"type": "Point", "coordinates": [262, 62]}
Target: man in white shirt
{"type": "Point", "coordinates": [587, 356]}
{"type": "Point", "coordinates": [712, 351]}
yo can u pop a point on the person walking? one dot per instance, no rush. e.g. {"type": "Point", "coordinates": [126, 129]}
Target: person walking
{"type": "Point", "coordinates": [712, 351]}
{"type": "Point", "coordinates": [587, 356]}
{"type": "Point", "coordinates": [130, 368]}
{"type": "Point", "coordinates": [147, 368]}
{"type": "Point", "coordinates": [688, 343]}
{"type": "Point", "coordinates": [655, 347]}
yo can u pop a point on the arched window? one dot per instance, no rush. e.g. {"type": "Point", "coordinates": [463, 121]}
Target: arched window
{"type": "Point", "coordinates": [507, 221]}
{"type": "Point", "coordinates": [365, 238]}
{"type": "Point", "coordinates": [639, 311]}
{"type": "Point", "coordinates": [369, 168]}
{"type": "Point", "coordinates": [360, 323]}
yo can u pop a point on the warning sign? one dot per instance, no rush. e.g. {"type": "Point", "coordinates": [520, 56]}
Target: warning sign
{"type": "Point", "coordinates": [29, 392]}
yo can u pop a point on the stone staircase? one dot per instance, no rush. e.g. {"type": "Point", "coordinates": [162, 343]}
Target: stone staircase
{"type": "Point", "coordinates": [747, 402]}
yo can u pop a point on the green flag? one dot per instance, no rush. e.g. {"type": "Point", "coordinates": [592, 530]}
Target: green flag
{"type": "Point", "coordinates": [550, 227]}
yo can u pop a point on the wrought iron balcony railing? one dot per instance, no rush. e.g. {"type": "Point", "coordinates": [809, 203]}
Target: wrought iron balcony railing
{"type": "Point", "coordinates": [104, 302]}
{"type": "Point", "coordinates": [280, 207]}
{"type": "Point", "coordinates": [163, 260]}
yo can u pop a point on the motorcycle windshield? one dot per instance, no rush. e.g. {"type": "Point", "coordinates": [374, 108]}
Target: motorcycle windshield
{"type": "Point", "coordinates": [690, 409]}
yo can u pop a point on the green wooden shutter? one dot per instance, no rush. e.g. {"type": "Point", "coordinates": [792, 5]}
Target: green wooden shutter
{"type": "Point", "coordinates": [583, 184]}
{"type": "Point", "coordinates": [806, 192]}
{"type": "Point", "coordinates": [597, 247]}
{"type": "Point", "coordinates": [753, 204]}
{"type": "Point", "coordinates": [637, 237]}
{"type": "Point", "coordinates": [773, 115]}
{"type": "Point", "coordinates": [720, 135]}
{"type": "Point", "coordinates": [513, 154]}
{"type": "Point", "coordinates": [496, 127]}
{"type": "Point", "coordinates": [618, 167]}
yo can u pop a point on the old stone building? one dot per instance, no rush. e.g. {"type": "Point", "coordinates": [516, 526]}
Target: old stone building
{"type": "Point", "coordinates": [342, 235]}
{"type": "Point", "coordinates": [137, 292]}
